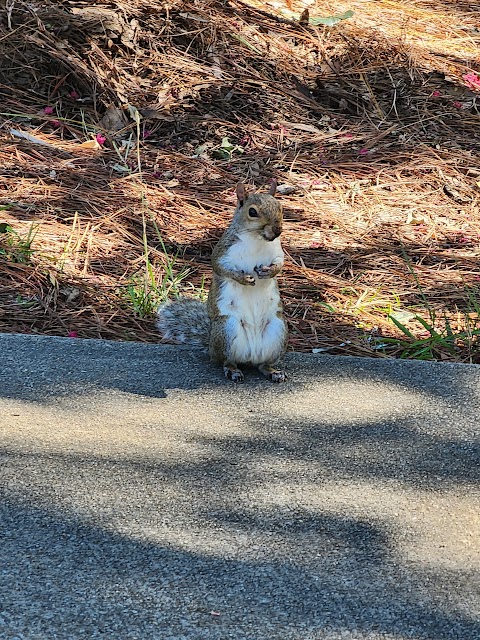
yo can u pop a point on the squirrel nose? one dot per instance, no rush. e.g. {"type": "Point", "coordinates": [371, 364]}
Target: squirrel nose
{"type": "Point", "coordinates": [272, 231]}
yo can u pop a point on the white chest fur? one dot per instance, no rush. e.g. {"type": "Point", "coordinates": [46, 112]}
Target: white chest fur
{"type": "Point", "coordinates": [251, 251]}
{"type": "Point", "coordinates": [255, 333]}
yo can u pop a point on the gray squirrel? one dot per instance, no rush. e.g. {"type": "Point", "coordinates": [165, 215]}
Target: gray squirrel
{"type": "Point", "coordinates": [242, 321]}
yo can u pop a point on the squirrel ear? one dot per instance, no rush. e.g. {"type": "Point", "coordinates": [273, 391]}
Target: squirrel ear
{"type": "Point", "coordinates": [241, 194]}
{"type": "Point", "coordinates": [273, 187]}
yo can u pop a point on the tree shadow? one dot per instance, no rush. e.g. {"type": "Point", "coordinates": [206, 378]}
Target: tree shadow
{"type": "Point", "coordinates": [94, 547]}
{"type": "Point", "coordinates": [59, 367]}
{"type": "Point", "coordinates": [161, 501]}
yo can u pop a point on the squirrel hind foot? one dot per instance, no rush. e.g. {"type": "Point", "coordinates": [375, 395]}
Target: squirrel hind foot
{"type": "Point", "coordinates": [274, 375]}
{"type": "Point", "coordinates": [233, 373]}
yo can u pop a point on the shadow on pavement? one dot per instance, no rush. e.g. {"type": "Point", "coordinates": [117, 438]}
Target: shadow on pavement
{"type": "Point", "coordinates": [141, 498]}
{"type": "Point", "coordinates": [36, 368]}
{"type": "Point", "coordinates": [65, 578]}
{"type": "Point", "coordinates": [97, 547]}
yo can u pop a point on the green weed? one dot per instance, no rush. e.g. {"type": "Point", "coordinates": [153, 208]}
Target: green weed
{"type": "Point", "coordinates": [439, 343]}
{"type": "Point", "coordinates": [200, 292]}
{"type": "Point", "coordinates": [439, 340]}
{"type": "Point", "coordinates": [16, 247]}
{"type": "Point", "coordinates": [147, 290]}
{"type": "Point", "coordinates": [369, 301]}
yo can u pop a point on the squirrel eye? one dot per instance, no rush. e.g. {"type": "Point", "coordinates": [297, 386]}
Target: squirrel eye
{"type": "Point", "coordinates": [253, 213]}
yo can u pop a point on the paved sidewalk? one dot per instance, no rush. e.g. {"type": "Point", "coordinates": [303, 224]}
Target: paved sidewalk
{"type": "Point", "coordinates": [144, 497]}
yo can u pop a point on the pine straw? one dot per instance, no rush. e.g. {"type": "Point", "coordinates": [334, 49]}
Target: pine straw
{"type": "Point", "coordinates": [370, 122]}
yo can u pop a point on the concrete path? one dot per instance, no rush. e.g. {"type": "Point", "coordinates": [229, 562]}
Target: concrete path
{"type": "Point", "coordinates": [144, 497]}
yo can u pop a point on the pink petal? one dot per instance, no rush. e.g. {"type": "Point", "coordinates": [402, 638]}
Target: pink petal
{"type": "Point", "coordinates": [436, 94]}
{"type": "Point", "coordinates": [472, 80]}
{"type": "Point", "coordinates": [73, 334]}
{"type": "Point", "coordinates": [458, 104]}
{"type": "Point", "coordinates": [48, 111]}
{"type": "Point", "coordinates": [362, 152]}
{"type": "Point", "coordinates": [55, 123]}
{"type": "Point", "coordinates": [100, 138]}
{"type": "Point", "coordinates": [74, 95]}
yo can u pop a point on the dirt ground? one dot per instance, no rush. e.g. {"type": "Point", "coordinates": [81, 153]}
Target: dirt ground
{"type": "Point", "coordinates": [125, 127]}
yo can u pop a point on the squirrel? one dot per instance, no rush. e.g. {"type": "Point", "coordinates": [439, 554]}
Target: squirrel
{"type": "Point", "coordinates": [242, 321]}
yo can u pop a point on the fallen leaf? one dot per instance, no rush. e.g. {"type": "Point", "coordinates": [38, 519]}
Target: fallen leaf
{"type": "Point", "coordinates": [227, 145]}
{"type": "Point", "coordinates": [90, 144]}
{"type": "Point", "coordinates": [329, 21]}
{"type": "Point", "coordinates": [212, 55]}
{"type": "Point", "coordinates": [30, 138]}
{"type": "Point", "coordinates": [455, 194]}
{"type": "Point", "coordinates": [70, 293]}
{"type": "Point", "coordinates": [226, 150]}
{"type": "Point", "coordinates": [413, 218]}
{"type": "Point", "coordinates": [304, 16]}
{"type": "Point", "coordinates": [120, 168]}
{"type": "Point", "coordinates": [194, 16]}
{"type": "Point", "coordinates": [309, 128]}
{"type": "Point", "coordinates": [113, 119]}
{"type": "Point", "coordinates": [316, 240]}
{"type": "Point", "coordinates": [221, 154]}
{"type": "Point", "coordinates": [403, 316]}
{"type": "Point", "coordinates": [134, 113]}
{"type": "Point", "coordinates": [286, 189]}
{"type": "Point", "coordinates": [255, 169]}
{"type": "Point", "coordinates": [200, 151]}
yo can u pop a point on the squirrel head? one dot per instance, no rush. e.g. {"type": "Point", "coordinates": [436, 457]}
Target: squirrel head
{"type": "Point", "coordinates": [259, 212]}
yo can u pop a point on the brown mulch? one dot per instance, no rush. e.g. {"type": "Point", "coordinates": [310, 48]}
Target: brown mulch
{"type": "Point", "coordinates": [372, 124]}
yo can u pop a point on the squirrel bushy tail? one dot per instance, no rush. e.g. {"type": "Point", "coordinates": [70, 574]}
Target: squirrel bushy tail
{"type": "Point", "coordinates": [184, 321]}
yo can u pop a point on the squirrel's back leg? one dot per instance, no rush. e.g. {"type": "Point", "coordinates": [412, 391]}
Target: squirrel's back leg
{"type": "Point", "coordinates": [232, 372]}
{"type": "Point", "coordinates": [219, 352]}
{"type": "Point", "coordinates": [272, 373]}
{"type": "Point", "coordinates": [280, 333]}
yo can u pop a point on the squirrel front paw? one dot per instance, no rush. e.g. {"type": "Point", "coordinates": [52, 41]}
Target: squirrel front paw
{"type": "Point", "coordinates": [247, 279]}
{"type": "Point", "coordinates": [263, 271]}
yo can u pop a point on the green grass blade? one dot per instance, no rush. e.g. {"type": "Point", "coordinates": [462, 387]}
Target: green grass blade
{"type": "Point", "coordinates": [402, 327]}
